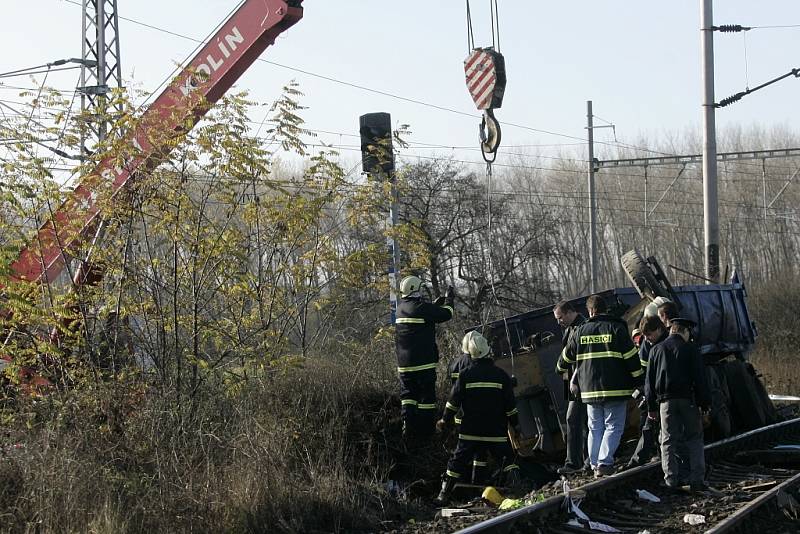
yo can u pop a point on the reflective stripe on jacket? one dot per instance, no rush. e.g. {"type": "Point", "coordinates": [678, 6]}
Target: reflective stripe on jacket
{"type": "Point", "coordinates": [415, 333]}
{"type": "Point", "coordinates": [647, 347]}
{"type": "Point", "coordinates": [459, 365]}
{"type": "Point", "coordinates": [607, 361]}
{"type": "Point", "coordinates": [486, 396]}
{"type": "Point", "coordinates": [565, 338]}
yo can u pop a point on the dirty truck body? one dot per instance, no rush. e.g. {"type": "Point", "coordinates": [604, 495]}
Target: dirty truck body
{"type": "Point", "coordinates": [725, 334]}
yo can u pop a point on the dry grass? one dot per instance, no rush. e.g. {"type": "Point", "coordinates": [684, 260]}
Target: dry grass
{"type": "Point", "coordinates": [775, 307]}
{"type": "Point", "coordinates": [296, 450]}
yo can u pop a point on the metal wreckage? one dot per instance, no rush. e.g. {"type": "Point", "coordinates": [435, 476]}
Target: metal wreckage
{"type": "Point", "coordinates": [527, 347]}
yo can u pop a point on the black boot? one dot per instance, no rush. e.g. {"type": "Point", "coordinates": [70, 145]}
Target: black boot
{"type": "Point", "coordinates": [447, 486]}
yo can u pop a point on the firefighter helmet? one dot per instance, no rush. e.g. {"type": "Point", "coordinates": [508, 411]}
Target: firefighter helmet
{"type": "Point", "coordinates": [478, 347]}
{"type": "Point", "coordinates": [652, 309]}
{"type": "Point", "coordinates": [465, 341]}
{"type": "Point", "coordinates": [409, 285]}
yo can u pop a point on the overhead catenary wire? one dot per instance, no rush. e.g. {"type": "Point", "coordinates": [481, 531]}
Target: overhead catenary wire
{"type": "Point", "coordinates": [385, 93]}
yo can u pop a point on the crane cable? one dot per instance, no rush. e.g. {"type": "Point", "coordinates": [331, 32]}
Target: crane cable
{"type": "Point", "coordinates": [492, 270]}
{"type": "Point", "coordinates": [495, 22]}
{"type": "Point", "coordinates": [489, 145]}
{"type": "Point", "coordinates": [489, 134]}
{"type": "Point", "coordinates": [484, 68]}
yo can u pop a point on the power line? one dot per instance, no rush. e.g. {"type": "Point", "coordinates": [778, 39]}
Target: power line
{"type": "Point", "coordinates": [381, 92]}
{"type": "Point", "coordinates": [45, 71]}
{"type": "Point", "coordinates": [775, 26]}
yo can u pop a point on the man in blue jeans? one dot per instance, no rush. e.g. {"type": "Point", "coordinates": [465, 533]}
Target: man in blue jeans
{"type": "Point", "coordinates": [607, 371]}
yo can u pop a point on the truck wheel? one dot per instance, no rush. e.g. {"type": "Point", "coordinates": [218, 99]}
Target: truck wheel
{"type": "Point", "coordinates": [641, 276]}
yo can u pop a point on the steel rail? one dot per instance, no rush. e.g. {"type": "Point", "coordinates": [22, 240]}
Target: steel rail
{"type": "Point", "coordinates": [553, 505]}
{"type": "Point", "coordinates": [736, 520]}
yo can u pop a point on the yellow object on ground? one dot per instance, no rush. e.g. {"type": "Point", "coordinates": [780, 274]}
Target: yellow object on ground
{"type": "Point", "coordinates": [492, 496]}
{"type": "Point", "coordinates": [511, 504]}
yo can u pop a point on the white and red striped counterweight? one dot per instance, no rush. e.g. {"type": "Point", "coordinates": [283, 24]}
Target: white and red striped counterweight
{"type": "Point", "coordinates": [485, 70]}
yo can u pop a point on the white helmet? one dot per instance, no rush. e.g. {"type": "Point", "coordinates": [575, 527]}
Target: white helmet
{"type": "Point", "coordinates": [465, 341]}
{"type": "Point", "coordinates": [652, 309]}
{"type": "Point", "coordinates": [409, 284]}
{"type": "Point", "coordinates": [478, 346]}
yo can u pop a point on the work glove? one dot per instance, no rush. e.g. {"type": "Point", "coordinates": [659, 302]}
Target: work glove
{"type": "Point", "coordinates": [439, 301]}
{"type": "Point", "coordinates": [639, 397]}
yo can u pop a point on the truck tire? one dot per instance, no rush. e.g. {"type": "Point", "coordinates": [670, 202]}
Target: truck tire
{"type": "Point", "coordinates": [641, 276]}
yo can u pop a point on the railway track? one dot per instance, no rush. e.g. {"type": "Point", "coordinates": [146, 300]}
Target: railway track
{"type": "Point", "coordinates": [755, 480]}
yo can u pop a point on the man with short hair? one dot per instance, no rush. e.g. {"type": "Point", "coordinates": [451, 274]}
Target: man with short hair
{"type": "Point", "coordinates": [577, 451]}
{"type": "Point", "coordinates": [653, 332]}
{"type": "Point", "coordinates": [666, 312]}
{"type": "Point", "coordinates": [607, 371]}
{"type": "Point", "coordinates": [418, 355]}
{"type": "Point", "coordinates": [485, 395]}
{"type": "Point", "coordinates": [677, 391]}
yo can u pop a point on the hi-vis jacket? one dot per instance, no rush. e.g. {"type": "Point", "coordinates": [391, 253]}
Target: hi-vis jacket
{"type": "Point", "coordinates": [486, 396]}
{"type": "Point", "coordinates": [458, 365]}
{"type": "Point", "coordinates": [607, 362]}
{"type": "Point", "coordinates": [415, 333]}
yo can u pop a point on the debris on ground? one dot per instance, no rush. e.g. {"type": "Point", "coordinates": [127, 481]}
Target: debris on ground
{"type": "Point", "coordinates": [511, 504]}
{"type": "Point", "coordinates": [453, 512]}
{"type": "Point", "coordinates": [491, 496]}
{"type": "Point", "coordinates": [647, 496]}
{"type": "Point", "coordinates": [694, 519]}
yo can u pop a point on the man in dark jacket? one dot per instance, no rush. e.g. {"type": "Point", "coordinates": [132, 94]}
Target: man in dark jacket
{"type": "Point", "coordinates": [418, 355]}
{"type": "Point", "coordinates": [608, 369]}
{"type": "Point", "coordinates": [676, 387]}
{"type": "Point", "coordinates": [485, 395]}
{"type": "Point", "coordinates": [577, 451]}
{"type": "Point", "coordinates": [654, 333]}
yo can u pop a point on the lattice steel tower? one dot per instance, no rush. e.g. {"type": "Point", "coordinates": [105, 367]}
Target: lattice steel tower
{"type": "Point", "coordinates": [101, 70]}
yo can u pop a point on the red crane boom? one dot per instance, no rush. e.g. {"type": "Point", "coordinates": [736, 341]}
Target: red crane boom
{"type": "Point", "coordinates": [242, 38]}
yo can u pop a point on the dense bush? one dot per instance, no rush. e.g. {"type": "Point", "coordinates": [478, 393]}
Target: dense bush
{"type": "Point", "coordinates": [298, 448]}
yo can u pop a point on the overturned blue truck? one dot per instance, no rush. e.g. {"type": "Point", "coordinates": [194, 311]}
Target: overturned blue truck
{"type": "Point", "coordinates": [527, 346]}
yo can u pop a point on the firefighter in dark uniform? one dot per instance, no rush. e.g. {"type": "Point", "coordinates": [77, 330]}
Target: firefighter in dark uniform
{"type": "Point", "coordinates": [577, 454]}
{"type": "Point", "coordinates": [418, 355]}
{"type": "Point", "coordinates": [608, 370]}
{"type": "Point", "coordinates": [677, 391]}
{"type": "Point", "coordinates": [457, 366]}
{"type": "Point", "coordinates": [463, 361]}
{"type": "Point", "coordinates": [485, 395]}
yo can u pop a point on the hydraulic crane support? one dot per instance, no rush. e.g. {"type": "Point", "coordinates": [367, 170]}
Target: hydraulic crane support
{"type": "Point", "coordinates": [215, 68]}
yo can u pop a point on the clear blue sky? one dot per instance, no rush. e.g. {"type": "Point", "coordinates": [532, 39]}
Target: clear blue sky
{"type": "Point", "coordinates": [639, 61]}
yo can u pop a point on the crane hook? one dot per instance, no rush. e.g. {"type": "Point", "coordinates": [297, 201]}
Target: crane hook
{"type": "Point", "coordinates": [489, 132]}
